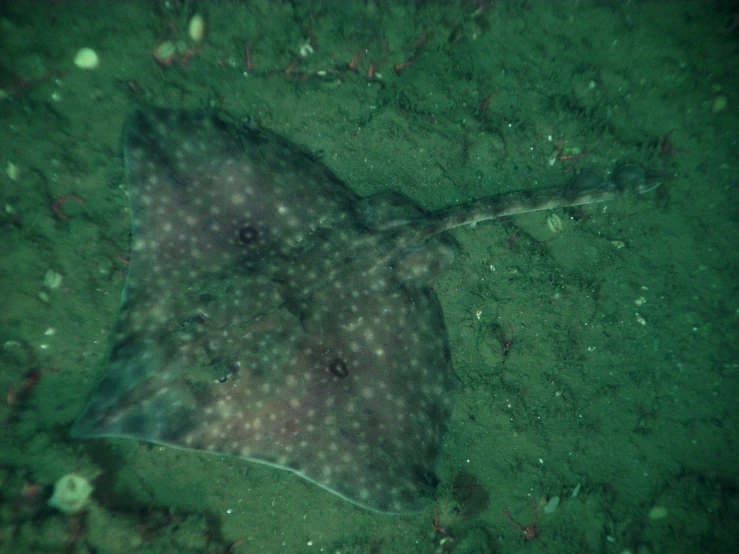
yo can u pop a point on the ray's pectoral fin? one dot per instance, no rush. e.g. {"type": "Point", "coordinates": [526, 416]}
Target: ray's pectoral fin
{"type": "Point", "coordinates": [422, 264]}
{"type": "Point", "coordinates": [272, 315]}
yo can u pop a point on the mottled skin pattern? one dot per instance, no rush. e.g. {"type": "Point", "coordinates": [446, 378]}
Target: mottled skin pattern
{"type": "Point", "coordinates": [271, 314]}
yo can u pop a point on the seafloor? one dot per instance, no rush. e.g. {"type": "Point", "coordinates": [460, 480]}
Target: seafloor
{"type": "Point", "coordinates": [597, 364]}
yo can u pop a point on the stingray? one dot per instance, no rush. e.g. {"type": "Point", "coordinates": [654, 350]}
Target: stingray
{"type": "Point", "coordinates": [271, 314]}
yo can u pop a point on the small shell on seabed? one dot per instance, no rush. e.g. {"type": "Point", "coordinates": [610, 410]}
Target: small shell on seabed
{"type": "Point", "coordinates": [658, 512]}
{"type": "Point", "coordinates": [71, 494]}
{"type": "Point", "coordinates": [551, 505]}
{"type": "Point", "coordinates": [13, 171]}
{"type": "Point", "coordinates": [52, 279]}
{"type": "Point", "coordinates": [554, 223]}
{"type": "Point", "coordinates": [196, 28]}
{"type": "Point", "coordinates": [86, 58]}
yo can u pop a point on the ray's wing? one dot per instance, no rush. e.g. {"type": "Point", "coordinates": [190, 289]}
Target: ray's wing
{"type": "Point", "coordinates": [255, 323]}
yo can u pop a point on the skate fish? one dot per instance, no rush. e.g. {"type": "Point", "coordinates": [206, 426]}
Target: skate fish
{"type": "Point", "coordinates": [271, 314]}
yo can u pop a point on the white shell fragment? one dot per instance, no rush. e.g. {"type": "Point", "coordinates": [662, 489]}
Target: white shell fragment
{"type": "Point", "coordinates": [52, 279]}
{"type": "Point", "coordinates": [196, 28]}
{"type": "Point", "coordinates": [86, 58]}
{"type": "Point", "coordinates": [576, 491]}
{"type": "Point", "coordinates": [71, 494]}
{"type": "Point", "coordinates": [13, 171]}
{"type": "Point", "coordinates": [554, 223]}
{"type": "Point", "coordinates": [551, 505]}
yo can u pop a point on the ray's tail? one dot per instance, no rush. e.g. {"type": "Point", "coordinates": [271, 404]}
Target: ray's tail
{"type": "Point", "coordinates": [586, 188]}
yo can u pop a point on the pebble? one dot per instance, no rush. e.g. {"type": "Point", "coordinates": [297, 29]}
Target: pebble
{"type": "Point", "coordinates": [86, 58]}
{"type": "Point", "coordinates": [658, 512]}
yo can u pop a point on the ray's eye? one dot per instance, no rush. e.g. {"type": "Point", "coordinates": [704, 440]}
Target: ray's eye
{"type": "Point", "coordinates": [248, 235]}
{"type": "Point", "coordinates": [338, 368]}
